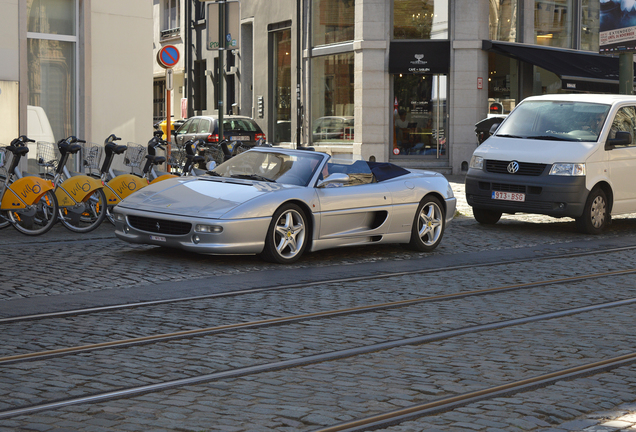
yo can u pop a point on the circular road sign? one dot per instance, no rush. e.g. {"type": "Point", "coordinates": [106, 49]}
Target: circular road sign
{"type": "Point", "coordinates": [168, 56]}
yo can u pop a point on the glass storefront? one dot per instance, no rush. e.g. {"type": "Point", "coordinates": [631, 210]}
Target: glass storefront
{"type": "Point", "coordinates": [420, 19]}
{"type": "Point", "coordinates": [419, 115]}
{"type": "Point", "coordinates": [332, 98]}
{"type": "Point", "coordinates": [282, 85]}
{"type": "Point", "coordinates": [52, 51]}
{"type": "Point", "coordinates": [333, 21]}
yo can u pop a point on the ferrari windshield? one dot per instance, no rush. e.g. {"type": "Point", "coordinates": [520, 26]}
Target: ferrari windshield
{"type": "Point", "coordinates": [556, 121]}
{"type": "Point", "coordinates": [271, 167]}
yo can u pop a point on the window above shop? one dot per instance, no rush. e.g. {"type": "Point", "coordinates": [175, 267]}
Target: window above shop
{"type": "Point", "coordinates": [333, 21]}
{"type": "Point", "coordinates": [170, 19]}
{"type": "Point", "coordinates": [504, 20]}
{"type": "Point", "coordinates": [420, 19]}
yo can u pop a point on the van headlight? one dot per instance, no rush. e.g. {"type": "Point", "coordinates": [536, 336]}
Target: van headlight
{"type": "Point", "coordinates": [567, 169]}
{"type": "Point", "coordinates": [477, 162]}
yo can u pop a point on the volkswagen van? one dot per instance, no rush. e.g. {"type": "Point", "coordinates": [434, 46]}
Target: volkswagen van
{"type": "Point", "coordinates": [559, 155]}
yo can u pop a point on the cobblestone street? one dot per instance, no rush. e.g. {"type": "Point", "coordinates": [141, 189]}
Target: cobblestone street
{"type": "Point", "coordinates": [530, 257]}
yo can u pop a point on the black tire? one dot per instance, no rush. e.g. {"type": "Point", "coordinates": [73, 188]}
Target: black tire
{"type": "Point", "coordinates": [428, 225]}
{"type": "Point", "coordinates": [486, 217]}
{"type": "Point", "coordinates": [596, 215]}
{"type": "Point", "coordinates": [86, 217]}
{"type": "Point", "coordinates": [287, 236]}
{"type": "Point", "coordinates": [37, 220]}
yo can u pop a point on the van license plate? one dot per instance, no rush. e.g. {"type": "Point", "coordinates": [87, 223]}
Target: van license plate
{"type": "Point", "coordinates": [157, 238]}
{"type": "Point", "coordinates": [508, 196]}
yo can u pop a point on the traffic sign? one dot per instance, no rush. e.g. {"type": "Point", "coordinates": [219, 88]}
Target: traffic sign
{"type": "Point", "coordinates": [168, 56]}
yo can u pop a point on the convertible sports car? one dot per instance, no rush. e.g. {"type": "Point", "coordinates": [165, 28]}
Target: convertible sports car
{"type": "Point", "coordinates": [279, 203]}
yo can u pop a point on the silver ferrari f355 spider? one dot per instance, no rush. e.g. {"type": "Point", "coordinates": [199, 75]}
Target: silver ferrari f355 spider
{"type": "Point", "coordinates": [279, 203]}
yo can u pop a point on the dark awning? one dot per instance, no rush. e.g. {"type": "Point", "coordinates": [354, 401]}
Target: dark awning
{"type": "Point", "coordinates": [569, 65]}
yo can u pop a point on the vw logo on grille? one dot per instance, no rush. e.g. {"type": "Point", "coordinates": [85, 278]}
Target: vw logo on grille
{"type": "Point", "coordinates": [513, 167]}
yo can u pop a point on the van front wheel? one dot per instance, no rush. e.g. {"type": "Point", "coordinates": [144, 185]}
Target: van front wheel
{"type": "Point", "coordinates": [596, 215]}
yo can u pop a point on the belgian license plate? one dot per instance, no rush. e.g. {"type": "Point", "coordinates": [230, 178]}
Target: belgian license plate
{"type": "Point", "coordinates": [157, 238]}
{"type": "Point", "coordinates": [508, 196]}
{"type": "Point", "coordinates": [239, 138]}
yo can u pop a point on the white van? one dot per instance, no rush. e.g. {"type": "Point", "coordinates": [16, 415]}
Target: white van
{"type": "Point", "coordinates": [38, 129]}
{"type": "Point", "coordinates": [559, 155]}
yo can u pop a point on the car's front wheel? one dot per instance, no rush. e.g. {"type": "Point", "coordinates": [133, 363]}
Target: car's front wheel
{"type": "Point", "coordinates": [596, 215]}
{"type": "Point", "coordinates": [287, 235]}
{"type": "Point", "coordinates": [428, 225]}
{"type": "Point", "coordinates": [486, 217]}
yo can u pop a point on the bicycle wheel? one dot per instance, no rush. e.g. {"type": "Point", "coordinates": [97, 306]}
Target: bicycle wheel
{"type": "Point", "coordinates": [87, 215]}
{"type": "Point", "coordinates": [38, 218]}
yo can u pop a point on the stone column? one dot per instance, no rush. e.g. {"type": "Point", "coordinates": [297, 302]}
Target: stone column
{"type": "Point", "coordinates": [469, 64]}
{"type": "Point", "coordinates": [371, 78]}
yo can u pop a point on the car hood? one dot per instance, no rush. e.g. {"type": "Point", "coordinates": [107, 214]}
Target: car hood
{"type": "Point", "coordinates": [535, 151]}
{"type": "Point", "coordinates": [200, 197]}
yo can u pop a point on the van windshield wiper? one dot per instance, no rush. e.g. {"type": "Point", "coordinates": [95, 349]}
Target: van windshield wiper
{"type": "Point", "coordinates": [552, 138]}
{"type": "Point", "coordinates": [253, 177]}
{"type": "Point", "coordinates": [509, 136]}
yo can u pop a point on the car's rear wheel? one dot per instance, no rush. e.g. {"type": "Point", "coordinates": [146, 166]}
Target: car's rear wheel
{"type": "Point", "coordinates": [486, 217]}
{"type": "Point", "coordinates": [596, 215]}
{"type": "Point", "coordinates": [428, 225]}
{"type": "Point", "coordinates": [287, 235]}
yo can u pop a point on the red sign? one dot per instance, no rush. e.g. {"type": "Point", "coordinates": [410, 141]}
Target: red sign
{"type": "Point", "coordinates": [168, 56]}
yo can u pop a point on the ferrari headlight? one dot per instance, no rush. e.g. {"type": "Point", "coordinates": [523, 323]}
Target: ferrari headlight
{"type": "Point", "coordinates": [210, 229]}
{"type": "Point", "coordinates": [567, 169]}
{"type": "Point", "coordinates": [477, 162]}
{"type": "Point", "coordinates": [119, 217]}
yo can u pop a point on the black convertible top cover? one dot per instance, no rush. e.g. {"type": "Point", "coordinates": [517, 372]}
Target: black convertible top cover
{"type": "Point", "coordinates": [386, 171]}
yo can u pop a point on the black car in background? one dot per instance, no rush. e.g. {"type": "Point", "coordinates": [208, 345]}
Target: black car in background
{"type": "Point", "coordinates": [235, 128]}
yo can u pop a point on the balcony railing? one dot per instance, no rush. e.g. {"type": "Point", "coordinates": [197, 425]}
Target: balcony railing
{"type": "Point", "coordinates": [169, 33]}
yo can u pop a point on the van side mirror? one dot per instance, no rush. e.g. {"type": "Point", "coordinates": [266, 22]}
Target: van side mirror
{"type": "Point", "coordinates": [493, 128]}
{"type": "Point", "coordinates": [621, 139]}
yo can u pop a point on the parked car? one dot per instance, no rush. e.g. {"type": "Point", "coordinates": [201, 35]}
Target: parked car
{"type": "Point", "coordinates": [559, 155]}
{"type": "Point", "coordinates": [279, 203]}
{"type": "Point", "coordinates": [235, 128]}
{"type": "Point", "coordinates": [333, 128]}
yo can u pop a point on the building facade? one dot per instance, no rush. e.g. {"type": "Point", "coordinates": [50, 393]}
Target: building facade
{"type": "Point", "coordinates": [389, 80]}
{"type": "Point", "coordinates": [82, 65]}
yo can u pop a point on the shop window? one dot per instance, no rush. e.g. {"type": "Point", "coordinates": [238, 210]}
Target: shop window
{"type": "Point", "coordinates": [553, 24]}
{"type": "Point", "coordinates": [419, 116]}
{"type": "Point", "coordinates": [333, 21]}
{"type": "Point", "coordinates": [332, 98]}
{"type": "Point", "coordinates": [504, 20]}
{"type": "Point", "coordinates": [282, 89]}
{"type": "Point", "coordinates": [420, 19]}
{"type": "Point", "coordinates": [52, 57]}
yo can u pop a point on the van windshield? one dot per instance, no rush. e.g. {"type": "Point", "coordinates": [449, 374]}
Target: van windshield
{"type": "Point", "coordinates": [555, 121]}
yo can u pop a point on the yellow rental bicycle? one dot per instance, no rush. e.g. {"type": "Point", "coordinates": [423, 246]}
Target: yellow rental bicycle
{"type": "Point", "coordinates": [81, 198]}
{"type": "Point", "coordinates": [26, 202]}
{"type": "Point", "coordinates": [117, 187]}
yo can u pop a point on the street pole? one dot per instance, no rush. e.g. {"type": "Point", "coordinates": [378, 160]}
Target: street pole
{"type": "Point", "coordinates": [626, 73]}
{"type": "Point", "coordinates": [221, 65]}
